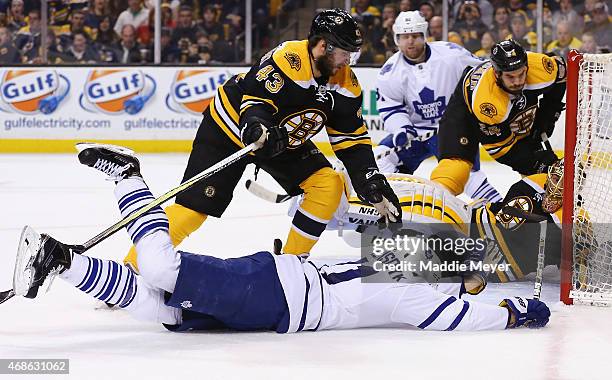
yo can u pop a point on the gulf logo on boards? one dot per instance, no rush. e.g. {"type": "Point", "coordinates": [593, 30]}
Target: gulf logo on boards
{"type": "Point", "coordinates": [192, 90]}
{"type": "Point", "coordinates": [32, 91]}
{"type": "Point", "coordinates": [114, 91]}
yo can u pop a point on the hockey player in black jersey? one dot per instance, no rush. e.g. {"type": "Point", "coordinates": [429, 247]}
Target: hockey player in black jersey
{"type": "Point", "coordinates": [287, 97]}
{"type": "Point", "coordinates": [496, 105]}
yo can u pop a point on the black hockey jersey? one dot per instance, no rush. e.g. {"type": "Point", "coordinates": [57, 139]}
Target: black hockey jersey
{"type": "Point", "coordinates": [513, 240]}
{"type": "Point", "coordinates": [482, 112]}
{"type": "Point", "coordinates": [282, 89]}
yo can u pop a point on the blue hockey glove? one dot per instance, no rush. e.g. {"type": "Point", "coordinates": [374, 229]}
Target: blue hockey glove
{"type": "Point", "coordinates": [529, 312]}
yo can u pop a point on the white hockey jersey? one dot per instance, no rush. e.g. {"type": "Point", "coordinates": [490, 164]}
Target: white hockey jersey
{"type": "Point", "coordinates": [416, 95]}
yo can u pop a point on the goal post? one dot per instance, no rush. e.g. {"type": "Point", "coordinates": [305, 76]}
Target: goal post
{"type": "Point", "coordinates": [586, 262]}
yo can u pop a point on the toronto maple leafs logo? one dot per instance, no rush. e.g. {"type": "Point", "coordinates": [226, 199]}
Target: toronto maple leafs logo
{"type": "Point", "coordinates": [429, 108]}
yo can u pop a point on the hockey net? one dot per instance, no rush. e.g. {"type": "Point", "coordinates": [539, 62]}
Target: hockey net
{"type": "Point", "coordinates": [587, 219]}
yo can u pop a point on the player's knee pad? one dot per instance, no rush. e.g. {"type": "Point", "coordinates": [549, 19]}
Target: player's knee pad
{"type": "Point", "coordinates": [322, 193]}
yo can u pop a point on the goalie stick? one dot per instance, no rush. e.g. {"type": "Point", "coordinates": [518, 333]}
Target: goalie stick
{"type": "Point", "coordinates": [271, 196]}
{"type": "Point", "coordinates": [543, 221]}
{"type": "Point", "coordinates": [6, 295]}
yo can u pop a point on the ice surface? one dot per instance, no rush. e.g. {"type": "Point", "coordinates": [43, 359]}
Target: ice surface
{"type": "Point", "coordinates": [54, 194]}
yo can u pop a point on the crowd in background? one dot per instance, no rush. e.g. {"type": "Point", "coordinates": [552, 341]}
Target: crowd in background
{"type": "Point", "coordinates": [212, 31]}
{"type": "Point", "coordinates": [478, 24]}
{"type": "Point", "coordinates": [122, 31]}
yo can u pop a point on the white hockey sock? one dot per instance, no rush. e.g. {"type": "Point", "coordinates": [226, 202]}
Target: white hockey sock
{"type": "Point", "coordinates": [132, 194]}
{"type": "Point", "coordinates": [478, 187]}
{"type": "Point", "coordinates": [105, 280]}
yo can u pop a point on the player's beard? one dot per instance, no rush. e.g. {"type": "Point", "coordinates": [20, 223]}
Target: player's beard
{"type": "Point", "coordinates": [516, 91]}
{"type": "Point", "coordinates": [325, 66]}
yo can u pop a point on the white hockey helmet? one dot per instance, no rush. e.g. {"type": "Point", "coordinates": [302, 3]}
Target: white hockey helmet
{"type": "Point", "coordinates": [409, 22]}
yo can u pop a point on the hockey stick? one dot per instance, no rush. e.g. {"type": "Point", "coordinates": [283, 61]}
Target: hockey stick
{"type": "Point", "coordinates": [271, 196]}
{"type": "Point", "coordinates": [6, 295]}
{"type": "Point", "coordinates": [546, 142]}
{"type": "Point", "coordinates": [543, 221]}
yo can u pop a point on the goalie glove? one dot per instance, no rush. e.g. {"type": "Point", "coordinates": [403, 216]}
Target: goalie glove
{"type": "Point", "coordinates": [376, 191]}
{"type": "Point", "coordinates": [532, 313]}
{"type": "Point", "coordinates": [270, 140]}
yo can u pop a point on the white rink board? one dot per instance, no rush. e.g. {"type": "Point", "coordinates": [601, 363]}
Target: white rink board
{"type": "Point", "coordinates": [91, 102]}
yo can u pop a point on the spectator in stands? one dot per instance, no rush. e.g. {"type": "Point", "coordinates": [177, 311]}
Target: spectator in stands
{"type": "Point", "coordinates": [186, 30]}
{"type": "Point", "coordinates": [210, 25]}
{"type": "Point", "coordinates": [405, 5]}
{"type": "Point", "coordinates": [96, 13]}
{"type": "Point", "coordinates": [106, 41]}
{"type": "Point", "coordinates": [567, 13]}
{"type": "Point", "coordinates": [521, 33]}
{"type": "Point", "coordinates": [589, 45]}
{"type": "Point", "coordinates": [200, 52]}
{"type": "Point", "coordinates": [80, 51]}
{"type": "Point", "coordinates": [435, 29]}
{"type": "Point", "coordinates": [565, 40]}
{"type": "Point", "coordinates": [427, 10]}
{"type": "Point", "coordinates": [8, 52]}
{"type": "Point", "coordinates": [16, 16]}
{"type": "Point", "coordinates": [169, 53]}
{"type": "Point", "coordinates": [486, 11]}
{"type": "Point", "coordinates": [27, 39]}
{"type": "Point", "coordinates": [364, 9]}
{"type": "Point", "coordinates": [128, 50]}
{"type": "Point", "coordinates": [77, 25]}
{"type": "Point", "coordinates": [387, 42]}
{"type": "Point", "coordinates": [501, 22]}
{"type": "Point", "coordinates": [469, 25]}
{"type": "Point", "coordinates": [167, 20]}
{"type": "Point", "coordinates": [136, 15]}
{"type": "Point", "coordinates": [517, 5]}
{"type": "Point", "coordinates": [455, 38]}
{"type": "Point", "coordinates": [600, 26]}
{"type": "Point", "coordinates": [487, 41]}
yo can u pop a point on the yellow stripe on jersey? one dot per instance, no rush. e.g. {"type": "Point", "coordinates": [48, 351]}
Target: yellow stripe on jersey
{"type": "Point", "coordinates": [490, 104]}
{"type": "Point", "coordinates": [345, 82]}
{"type": "Point", "coordinates": [350, 143]}
{"type": "Point", "coordinates": [293, 60]}
{"type": "Point", "coordinates": [228, 106]}
{"type": "Point", "coordinates": [223, 126]}
{"type": "Point", "coordinates": [499, 149]}
{"type": "Point", "coordinates": [542, 71]}
{"type": "Point", "coordinates": [248, 101]}
{"type": "Point", "coordinates": [504, 247]}
{"type": "Point", "coordinates": [359, 131]}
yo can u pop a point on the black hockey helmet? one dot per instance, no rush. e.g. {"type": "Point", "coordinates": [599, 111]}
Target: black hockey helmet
{"type": "Point", "coordinates": [508, 55]}
{"type": "Point", "coordinates": [338, 28]}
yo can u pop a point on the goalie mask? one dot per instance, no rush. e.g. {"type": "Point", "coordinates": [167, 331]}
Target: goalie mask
{"type": "Point", "coordinates": [409, 22]}
{"type": "Point", "coordinates": [553, 198]}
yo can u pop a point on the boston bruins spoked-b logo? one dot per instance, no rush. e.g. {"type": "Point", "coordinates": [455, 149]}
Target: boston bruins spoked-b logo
{"type": "Point", "coordinates": [302, 125]}
{"type": "Point", "coordinates": [513, 222]}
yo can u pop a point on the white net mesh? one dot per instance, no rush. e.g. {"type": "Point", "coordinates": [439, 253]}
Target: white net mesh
{"type": "Point", "coordinates": [592, 233]}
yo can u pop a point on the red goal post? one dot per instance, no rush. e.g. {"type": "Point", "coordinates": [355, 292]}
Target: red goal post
{"type": "Point", "coordinates": [586, 263]}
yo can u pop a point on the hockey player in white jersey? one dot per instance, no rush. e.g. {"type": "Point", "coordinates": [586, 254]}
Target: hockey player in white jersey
{"type": "Point", "coordinates": [414, 87]}
{"type": "Point", "coordinates": [263, 291]}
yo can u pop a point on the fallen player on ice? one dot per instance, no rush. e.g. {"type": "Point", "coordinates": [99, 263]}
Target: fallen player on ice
{"type": "Point", "coordinates": [262, 291]}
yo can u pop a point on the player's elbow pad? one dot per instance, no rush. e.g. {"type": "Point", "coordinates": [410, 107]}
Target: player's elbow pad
{"type": "Point", "coordinates": [452, 173]}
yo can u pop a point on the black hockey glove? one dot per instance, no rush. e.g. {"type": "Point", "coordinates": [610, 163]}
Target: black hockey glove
{"type": "Point", "coordinates": [543, 158]}
{"type": "Point", "coordinates": [376, 190]}
{"type": "Point", "coordinates": [546, 117]}
{"type": "Point", "coordinates": [271, 140]}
